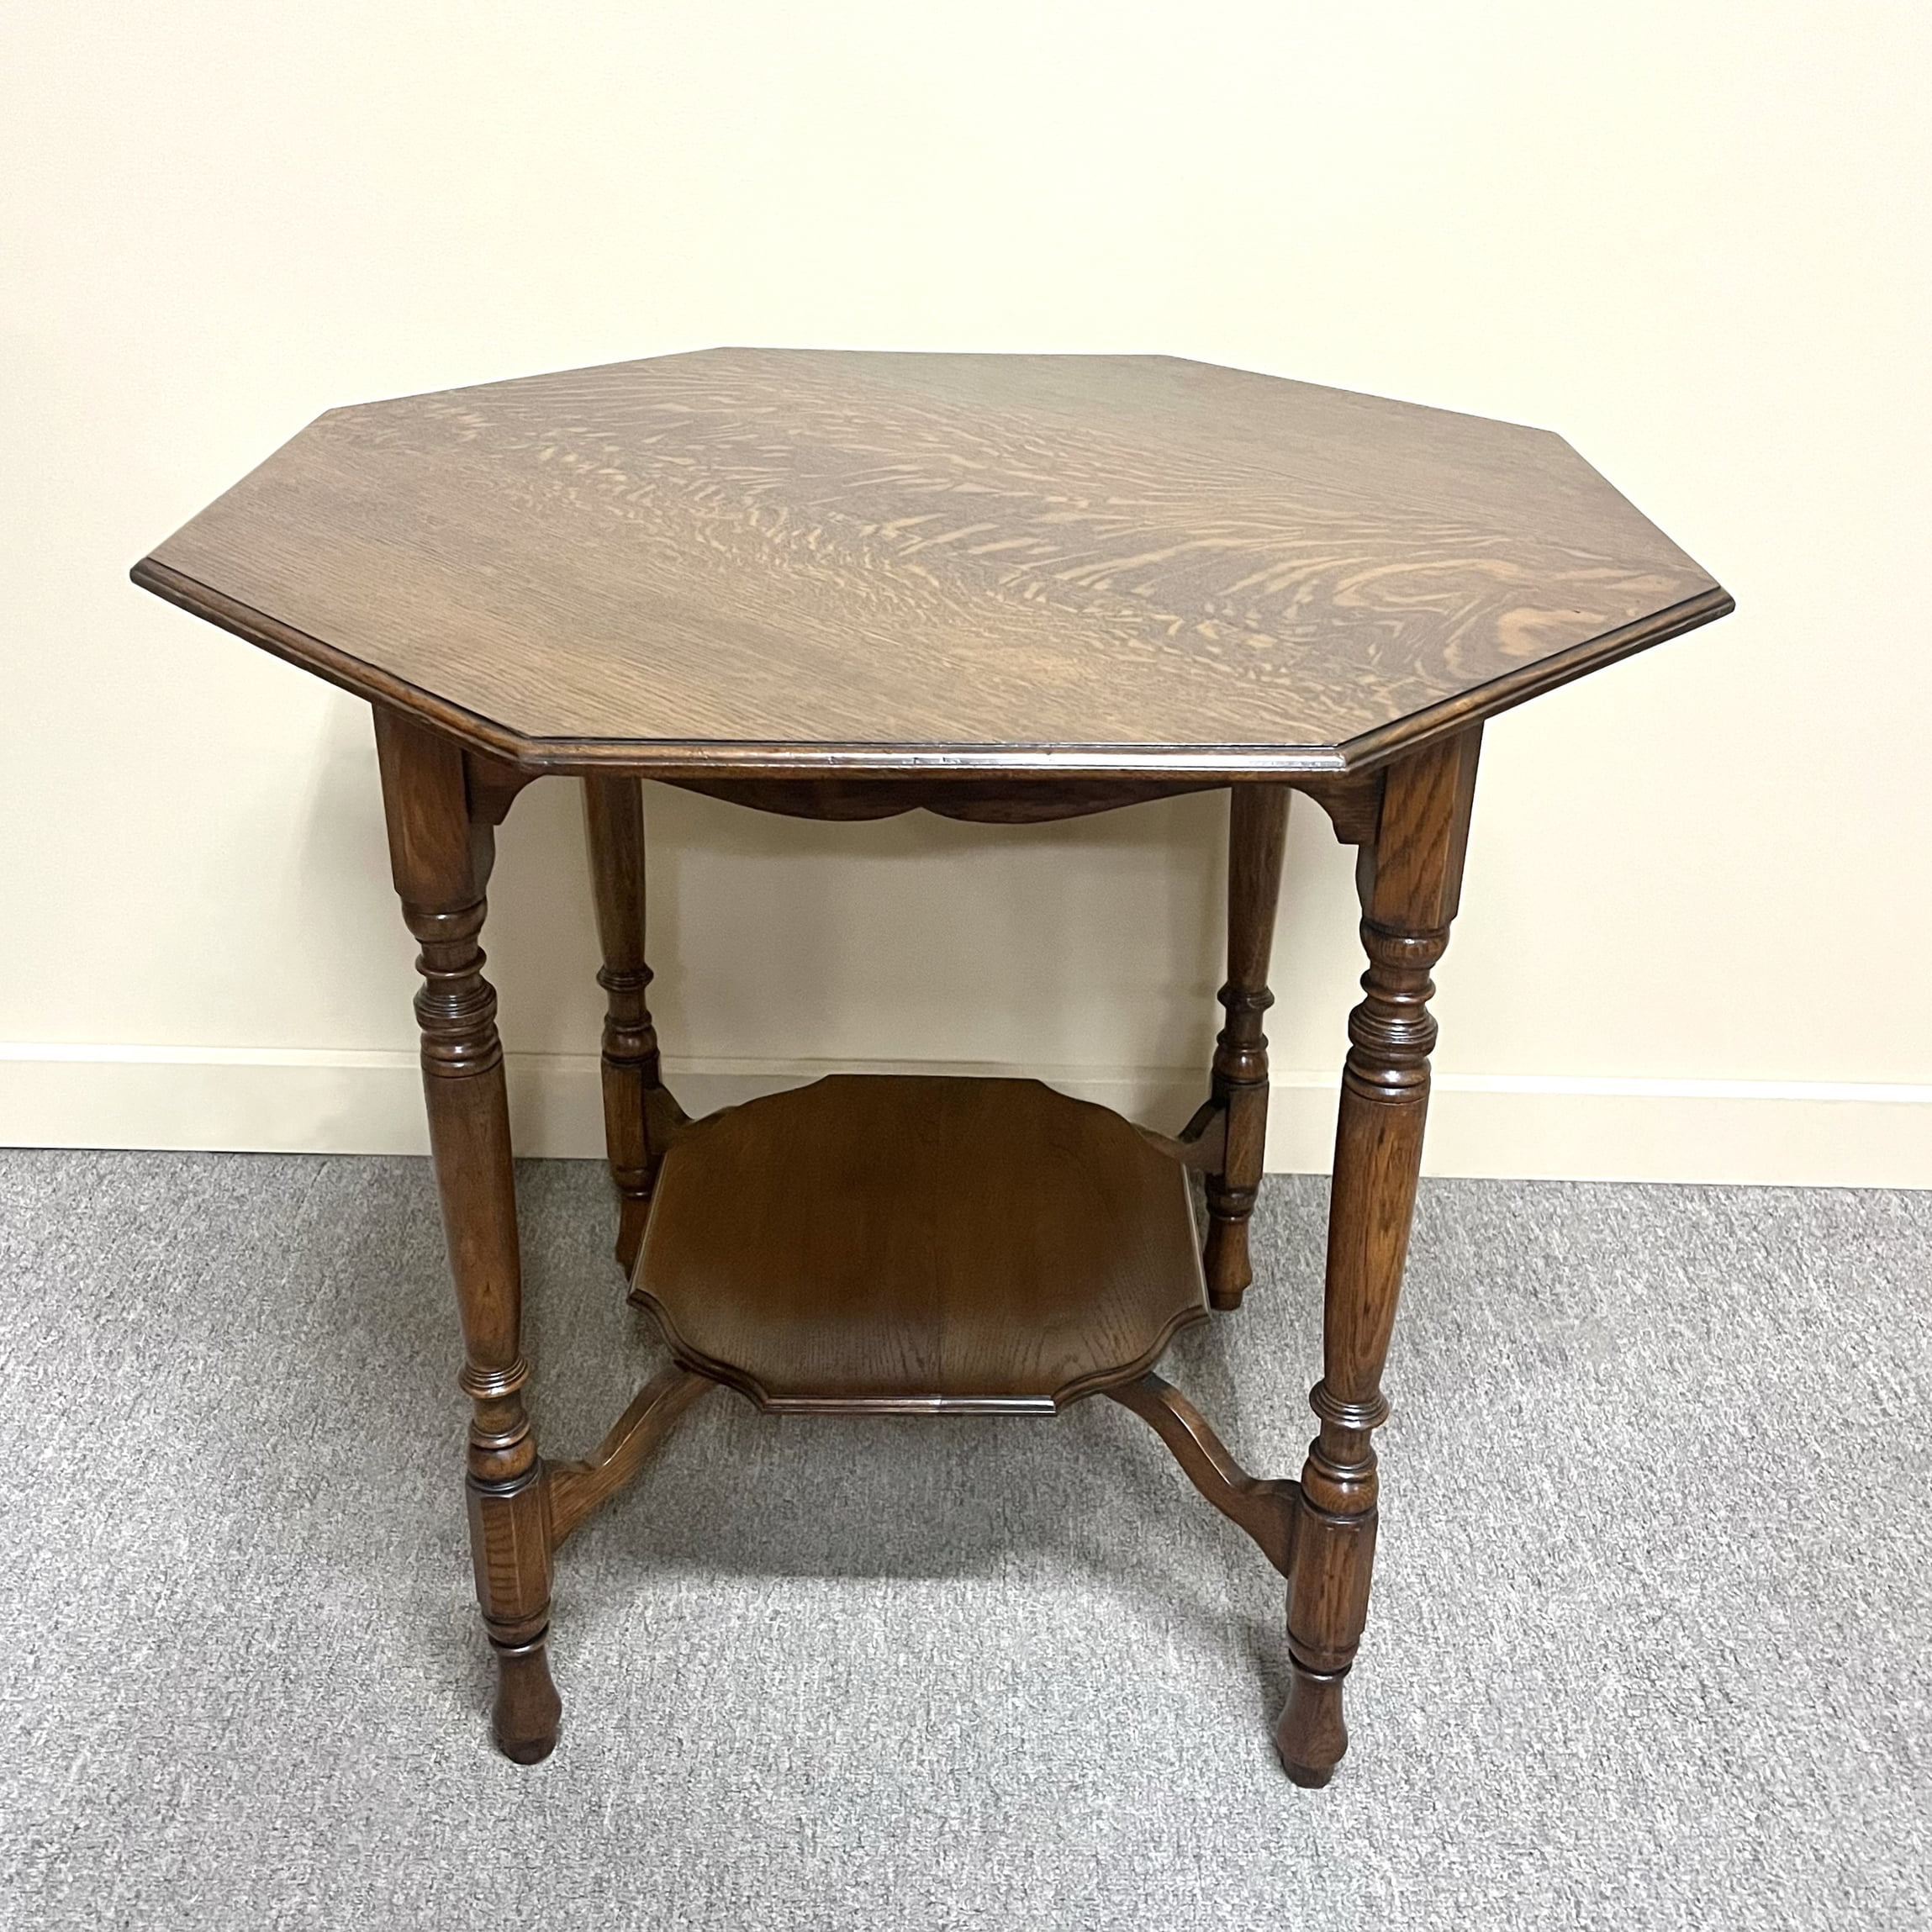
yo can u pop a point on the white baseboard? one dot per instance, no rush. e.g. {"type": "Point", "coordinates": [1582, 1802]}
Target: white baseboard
{"type": "Point", "coordinates": [288, 1100]}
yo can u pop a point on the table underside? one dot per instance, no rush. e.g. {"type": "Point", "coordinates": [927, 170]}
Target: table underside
{"type": "Point", "coordinates": [920, 1245]}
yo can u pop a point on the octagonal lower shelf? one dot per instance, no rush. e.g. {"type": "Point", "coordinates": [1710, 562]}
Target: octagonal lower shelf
{"type": "Point", "coordinates": [919, 1245]}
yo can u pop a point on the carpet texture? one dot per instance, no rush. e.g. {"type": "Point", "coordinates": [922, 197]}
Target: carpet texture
{"type": "Point", "coordinates": [1649, 1646]}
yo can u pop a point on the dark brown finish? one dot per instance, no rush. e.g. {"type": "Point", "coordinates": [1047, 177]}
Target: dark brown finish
{"type": "Point", "coordinates": [576, 1488]}
{"type": "Point", "coordinates": [907, 1246]}
{"type": "Point", "coordinates": [1351, 799]}
{"type": "Point", "coordinates": [1267, 1509]}
{"type": "Point", "coordinates": [1353, 802]}
{"type": "Point", "coordinates": [773, 562]}
{"type": "Point", "coordinates": [1006, 589]}
{"type": "Point", "coordinates": [985, 801]}
{"type": "Point", "coordinates": [1200, 1145]}
{"type": "Point", "coordinates": [1409, 879]}
{"type": "Point", "coordinates": [440, 856]}
{"type": "Point", "coordinates": [494, 786]}
{"type": "Point", "coordinates": [614, 823]}
{"type": "Point", "coordinates": [1257, 836]}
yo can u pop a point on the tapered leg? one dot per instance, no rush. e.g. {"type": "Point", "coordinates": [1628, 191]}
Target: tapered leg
{"type": "Point", "coordinates": [440, 855]}
{"type": "Point", "coordinates": [1257, 833]}
{"type": "Point", "coordinates": [614, 820]}
{"type": "Point", "coordinates": [1408, 877]}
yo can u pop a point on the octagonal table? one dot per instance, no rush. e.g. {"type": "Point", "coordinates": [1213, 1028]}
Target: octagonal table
{"type": "Point", "coordinates": [1007, 588]}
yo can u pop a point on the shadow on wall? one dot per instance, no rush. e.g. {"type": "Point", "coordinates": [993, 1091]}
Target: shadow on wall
{"type": "Point", "coordinates": [1087, 951]}
{"type": "Point", "coordinates": [1086, 945]}
{"type": "Point", "coordinates": [1088, 942]}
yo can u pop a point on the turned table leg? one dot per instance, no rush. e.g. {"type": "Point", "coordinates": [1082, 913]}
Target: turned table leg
{"type": "Point", "coordinates": [1257, 833]}
{"type": "Point", "coordinates": [1408, 878]}
{"type": "Point", "coordinates": [440, 855]}
{"type": "Point", "coordinates": [613, 821]}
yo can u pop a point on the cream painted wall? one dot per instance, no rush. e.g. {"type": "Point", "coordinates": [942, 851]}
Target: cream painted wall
{"type": "Point", "coordinates": [1692, 236]}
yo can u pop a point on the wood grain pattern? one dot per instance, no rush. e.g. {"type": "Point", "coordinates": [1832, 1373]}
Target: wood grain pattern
{"type": "Point", "coordinates": [614, 831]}
{"type": "Point", "coordinates": [441, 853]}
{"type": "Point", "coordinates": [1257, 839]}
{"type": "Point", "coordinates": [917, 1245]}
{"type": "Point", "coordinates": [1008, 588]}
{"type": "Point", "coordinates": [577, 1488]}
{"type": "Point", "coordinates": [1409, 880]}
{"type": "Point", "coordinates": [1267, 1508]}
{"type": "Point", "coordinates": [769, 560]}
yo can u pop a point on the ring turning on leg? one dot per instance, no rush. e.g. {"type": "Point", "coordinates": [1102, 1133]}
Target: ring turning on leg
{"type": "Point", "coordinates": [614, 823]}
{"type": "Point", "coordinates": [1257, 834]}
{"type": "Point", "coordinates": [441, 864]}
{"type": "Point", "coordinates": [1408, 878]}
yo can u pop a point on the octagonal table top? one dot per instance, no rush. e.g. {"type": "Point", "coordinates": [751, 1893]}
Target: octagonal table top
{"type": "Point", "coordinates": [768, 561]}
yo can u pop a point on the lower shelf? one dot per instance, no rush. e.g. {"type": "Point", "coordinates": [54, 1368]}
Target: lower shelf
{"type": "Point", "coordinates": [915, 1245]}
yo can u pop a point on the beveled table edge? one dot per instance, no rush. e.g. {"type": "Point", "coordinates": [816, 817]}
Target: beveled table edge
{"type": "Point", "coordinates": [644, 757]}
{"type": "Point", "coordinates": [730, 1375]}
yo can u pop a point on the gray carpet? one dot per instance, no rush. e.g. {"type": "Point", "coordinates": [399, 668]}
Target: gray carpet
{"type": "Point", "coordinates": [1649, 1645]}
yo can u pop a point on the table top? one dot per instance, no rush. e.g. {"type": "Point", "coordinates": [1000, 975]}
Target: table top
{"type": "Point", "coordinates": [764, 561]}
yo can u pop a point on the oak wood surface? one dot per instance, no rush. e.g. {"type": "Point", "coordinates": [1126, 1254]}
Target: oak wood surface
{"type": "Point", "coordinates": [614, 831]}
{"type": "Point", "coordinates": [1409, 879]}
{"type": "Point", "coordinates": [770, 560]}
{"type": "Point", "coordinates": [577, 1488]}
{"type": "Point", "coordinates": [1006, 588]}
{"type": "Point", "coordinates": [1266, 1508]}
{"type": "Point", "coordinates": [441, 851]}
{"type": "Point", "coordinates": [1257, 839]}
{"type": "Point", "coordinates": [905, 1245]}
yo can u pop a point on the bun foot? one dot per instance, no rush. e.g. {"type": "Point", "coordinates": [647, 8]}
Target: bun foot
{"type": "Point", "coordinates": [528, 1709]}
{"type": "Point", "coordinates": [1310, 1735]}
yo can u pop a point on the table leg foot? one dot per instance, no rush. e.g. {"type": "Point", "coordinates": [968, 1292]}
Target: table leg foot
{"type": "Point", "coordinates": [528, 1709]}
{"type": "Point", "coordinates": [1408, 878]}
{"type": "Point", "coordinates": [1310, 1735]}
{"type": "Point", "coordinates": [1230, 1273]}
